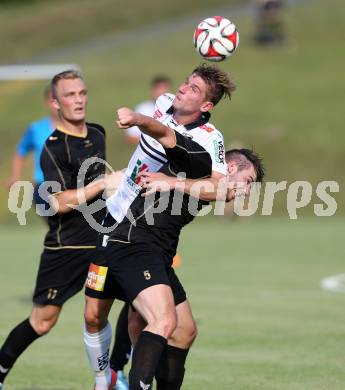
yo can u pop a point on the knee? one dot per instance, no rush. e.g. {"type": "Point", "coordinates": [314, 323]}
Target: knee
{"type": "Point", "coordinates": [94, 320]}
{"type": "Point", "coordinates": [190, 333]}
{"type": "Point", "coordinates": [167, 324]}
{"type": "Point", "coordinates": [43, 326]}
{"type": "Point", "coordinates": [184, 336]}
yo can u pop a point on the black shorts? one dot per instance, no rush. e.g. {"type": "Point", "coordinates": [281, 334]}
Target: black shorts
{"type": "Point", "coordinates": [176, 286]}
{"type": "Point", "coordinates": [123, 270]}
{"type": "Point", "coordinates": [61, 274]}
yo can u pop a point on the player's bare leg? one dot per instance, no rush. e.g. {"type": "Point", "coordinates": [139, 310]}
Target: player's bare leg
{"type": "Point", "coordinates": [156, 305]}
{"type": "Point", "coordinates": [44, 317]}
{"type": "Point", "coordinates": [186, 331]}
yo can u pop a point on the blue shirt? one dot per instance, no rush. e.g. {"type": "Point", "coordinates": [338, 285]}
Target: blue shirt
{"type": "Point", "coordinates": [33, 141]}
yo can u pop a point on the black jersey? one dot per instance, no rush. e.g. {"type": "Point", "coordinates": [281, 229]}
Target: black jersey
{"type": "Point", "coordinates": [163, 229]}
{"type": "Point", "coordinates": [61, 159]}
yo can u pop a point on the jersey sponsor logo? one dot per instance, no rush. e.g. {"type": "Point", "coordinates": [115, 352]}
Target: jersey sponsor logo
{"type": "Point", "coordinates": [157, 114]}
{"type": "Point", "coordinates": [96, 277]}
{"type": "Point", "coordinates": [173, 122]}
{"type": "Point", "coordinates": [52, 293]}
{"type": "Point", "coordinates": [219, 152]}
{"type": "Point", "coordinates": [207, 128]}
{"type": "Point", "coordinates": [169, 96]}
{"type": "Point", "coordinates": [139, 167]}
{"type": "Point", "coordinates": [53, 138]}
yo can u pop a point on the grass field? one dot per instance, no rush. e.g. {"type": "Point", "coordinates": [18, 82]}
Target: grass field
{"type": "Point", "coordinates": [264, 323]}
{"type": "Point", "coordinates": [77, 20]}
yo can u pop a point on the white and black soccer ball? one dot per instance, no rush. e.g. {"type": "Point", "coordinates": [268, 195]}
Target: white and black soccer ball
{"type": "Point", "coordinates": [216, 38]}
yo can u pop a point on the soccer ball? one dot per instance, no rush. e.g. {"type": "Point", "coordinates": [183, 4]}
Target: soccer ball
{"type": "Point", "coordinates": [216, 38]}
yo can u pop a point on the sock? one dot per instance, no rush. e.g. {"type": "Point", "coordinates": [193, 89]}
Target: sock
{"type": "Point", "coordinates": [16, 343]}
{"type": "Point", "coordinates": [170, 369]}
{"type": "Point", "coordinates": [97, 348]}
{"type": "Point", "coordinates": [122, 345]}
{"type": "Point", "coordinates": [146, 355]}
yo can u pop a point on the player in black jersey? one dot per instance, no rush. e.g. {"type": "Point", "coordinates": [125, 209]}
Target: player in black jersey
{"type": "Point", "coordinates": [137, 255]}
{"type": "Point", "coordinates": [69, 244]}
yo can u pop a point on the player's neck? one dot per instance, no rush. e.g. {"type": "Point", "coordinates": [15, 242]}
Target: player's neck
{"type": "Point", "coordinates": [74, 128]}
{"type": "Point", "coordinates": [185, 119]}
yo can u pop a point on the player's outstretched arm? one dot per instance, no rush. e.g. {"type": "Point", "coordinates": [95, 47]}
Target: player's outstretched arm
{"type": "Point", "coordinates": [210, 189]}
{"type": "Point", "coordinates": [163, 134]}
{"type": "Point", "coordinates": [65, 201]}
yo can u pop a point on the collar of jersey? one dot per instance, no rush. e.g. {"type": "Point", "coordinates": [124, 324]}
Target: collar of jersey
{"type": "Point", "coordinates": [84, 135]}
{"type": "Point", "coordinates": [203, 118]}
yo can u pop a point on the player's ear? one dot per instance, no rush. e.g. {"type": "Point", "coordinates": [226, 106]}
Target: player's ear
{"type": "Point", "coordinates": [55, 103]}
{"type": "Point", "coordinates": [232, 167]}
{"type": "Point", "coordinates": [206, 106]}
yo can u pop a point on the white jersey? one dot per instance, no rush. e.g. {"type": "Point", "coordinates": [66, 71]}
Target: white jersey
{"type": "Point", "coordinates": [150, 154]}
{"type": "Point", "coordinates": [146, 108]}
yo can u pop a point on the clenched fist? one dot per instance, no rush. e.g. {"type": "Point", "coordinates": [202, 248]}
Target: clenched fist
{"type": "Point", "coordinates": [126, 118]}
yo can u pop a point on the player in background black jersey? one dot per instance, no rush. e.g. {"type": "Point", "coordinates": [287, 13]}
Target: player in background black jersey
{"type": "Point", "coordinates": [70, 242]}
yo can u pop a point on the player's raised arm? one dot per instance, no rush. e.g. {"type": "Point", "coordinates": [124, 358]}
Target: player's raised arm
{"type": "Point", "coordinates": [163, 134]}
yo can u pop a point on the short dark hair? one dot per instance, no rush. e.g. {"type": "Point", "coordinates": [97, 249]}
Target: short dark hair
{"type": "Point", "coordinates": [160, 79]}
{"type": "Point", "coordinates": [220, 83]}
{"type": "Point", "coordinates": [244, 158]}
{"type": "Point", "coordinates": [70, 74]}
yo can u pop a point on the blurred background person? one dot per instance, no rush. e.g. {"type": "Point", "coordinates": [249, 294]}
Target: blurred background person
{"type": "Point", "coordinates": [159, 84]}
{"type": "Point", "coordinates": [269, 29]}
{"type": "Point", "coordinates": [32, 141]}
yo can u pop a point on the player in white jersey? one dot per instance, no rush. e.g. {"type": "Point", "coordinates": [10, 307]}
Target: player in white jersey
{"type": "Point", "coordinates": [150, 155]}
{"type": "Point", "coordinates": [188, 142]}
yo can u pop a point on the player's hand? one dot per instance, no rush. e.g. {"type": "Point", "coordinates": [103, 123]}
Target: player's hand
{"type": "Point", "coordinates": [126, 118]}
{"type": "Point", "coordinates": [156, 182]}
{"type": "Point", "coordinates": [112, 182]}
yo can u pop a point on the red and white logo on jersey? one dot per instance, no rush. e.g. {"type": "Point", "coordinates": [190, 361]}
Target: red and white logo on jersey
{"type": "Point", "coordinates": [139, 167]}
{"type": "Point", "coordinates": [207, 128]}
{"type": "Point", "coordinates": [157, 114]}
